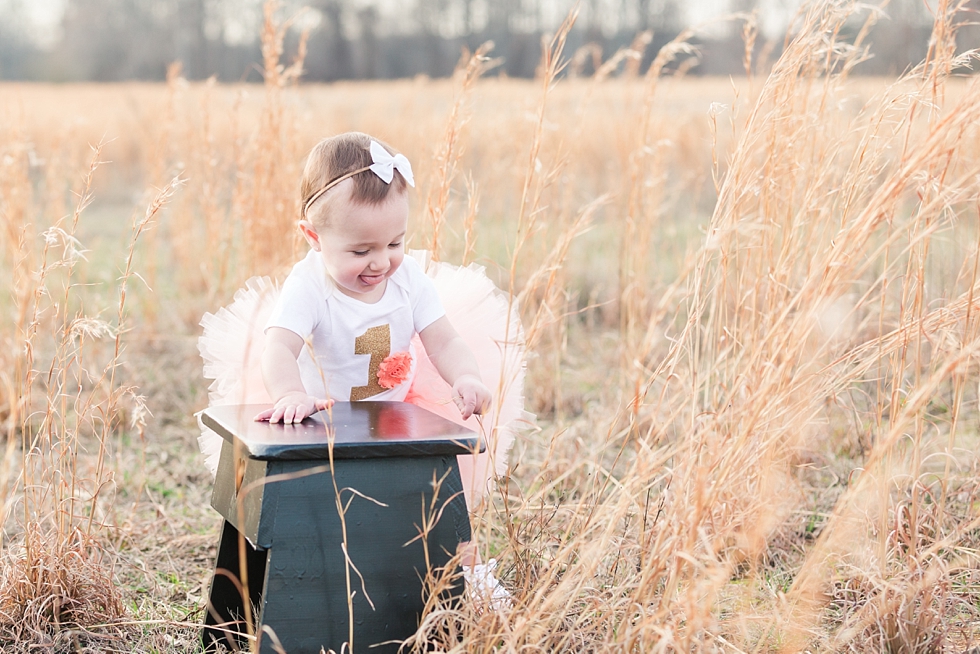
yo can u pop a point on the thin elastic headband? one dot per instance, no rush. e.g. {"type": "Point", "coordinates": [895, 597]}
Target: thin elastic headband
{"type": "Point", "coordinates": [384, 166]}
{"type": "Point", "coordinates": [316, 196]}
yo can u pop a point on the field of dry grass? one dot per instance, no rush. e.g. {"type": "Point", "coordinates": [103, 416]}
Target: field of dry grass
{"type": "Point", "coordinates": [752, 311]}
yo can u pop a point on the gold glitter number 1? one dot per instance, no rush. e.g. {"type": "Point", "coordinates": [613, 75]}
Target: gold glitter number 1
{"type": "Point", "coordinates": [376, 341]}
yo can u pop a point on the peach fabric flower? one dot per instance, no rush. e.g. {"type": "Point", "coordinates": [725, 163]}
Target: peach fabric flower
{"type": "Point", "coordinates": [394, 369]}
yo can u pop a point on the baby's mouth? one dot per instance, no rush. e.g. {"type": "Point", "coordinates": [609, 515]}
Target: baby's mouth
{"type": "Point", "coordinates": [372, 280]}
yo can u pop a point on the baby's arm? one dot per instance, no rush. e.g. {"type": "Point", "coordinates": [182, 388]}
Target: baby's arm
{"type": "Point", "coordinates": [282, 379]}
{"type": "Point", "coordinates": [455, 362]}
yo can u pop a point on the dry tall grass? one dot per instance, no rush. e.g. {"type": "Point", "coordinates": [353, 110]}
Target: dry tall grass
{"type": "Point", "coordinates": [752, 308]}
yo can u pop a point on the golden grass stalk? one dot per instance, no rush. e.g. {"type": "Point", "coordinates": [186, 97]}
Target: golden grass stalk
{"type": "Point", "coordinates": [55, 575]}
{"type": "Point", "coordinates": [469, 69]}
{"type": "Point", "coordinates": [805, 223]}
{"type": "Point", "coordinates": [270, 206]}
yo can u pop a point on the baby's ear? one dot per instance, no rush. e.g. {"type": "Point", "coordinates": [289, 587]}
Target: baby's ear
{"type": "Point", "coordinates": [309, 233]}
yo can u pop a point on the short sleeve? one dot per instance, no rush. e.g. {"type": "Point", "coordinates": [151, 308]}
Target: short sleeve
{"type": "Point", "coordinates": [299, 306]}
{"type": "Point", "coordinates": [426, 305]}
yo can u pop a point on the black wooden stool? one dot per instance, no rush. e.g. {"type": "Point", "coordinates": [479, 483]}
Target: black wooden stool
{"type": "Point", "coordinates": [275, 487]}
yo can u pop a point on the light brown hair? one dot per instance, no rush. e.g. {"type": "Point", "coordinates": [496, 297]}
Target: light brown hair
{"type": "Point", "coordinates": [338, 156]}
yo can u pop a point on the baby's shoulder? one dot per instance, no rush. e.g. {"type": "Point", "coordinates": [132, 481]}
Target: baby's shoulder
{"type": "Point", "coordinates": [411, 264]}
{"type": "Point", "coordinates": [410, 273]}
{"type": "Point", "coordinates": [308, 276]}
{"type": "Point", "coordinates": [307, 265]}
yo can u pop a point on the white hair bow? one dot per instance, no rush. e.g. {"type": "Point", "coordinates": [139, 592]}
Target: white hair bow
{"type": "Point", "coordinates": [385, 165]}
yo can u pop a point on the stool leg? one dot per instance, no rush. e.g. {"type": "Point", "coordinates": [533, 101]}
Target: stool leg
{"type": "Point", "coordinates": [225, 608]}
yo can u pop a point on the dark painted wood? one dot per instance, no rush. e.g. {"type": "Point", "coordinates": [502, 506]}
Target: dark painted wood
{"type": "Point", "coordinates": [361, 430]}
{"type": "Point", "coordinates": [287, 510]}
{"type": "Point", "coordinates": [240, 471]}
{"type": "Point", "coordinates": [225, 610]}
{"type": "Point", "coordinates": [306, 594]}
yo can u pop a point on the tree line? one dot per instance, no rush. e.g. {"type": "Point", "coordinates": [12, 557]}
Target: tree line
{"type": "Point", "coordinates": [117, 40]}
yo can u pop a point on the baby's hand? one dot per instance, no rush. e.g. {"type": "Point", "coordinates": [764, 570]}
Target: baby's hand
{"type": "Point", "coordinates": [293, 407]}
{"type": "Point", "coordinates": [471, 395]}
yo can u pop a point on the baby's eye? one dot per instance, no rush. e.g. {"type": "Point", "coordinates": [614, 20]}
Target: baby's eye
{"type": "Point", "coordinates": [359, 253]}
{"type": "Point", "coordinates": [395, 245]}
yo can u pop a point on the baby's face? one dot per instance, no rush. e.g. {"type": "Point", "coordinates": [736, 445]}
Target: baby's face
{"type": "Point", "coordinates": [362, 245]}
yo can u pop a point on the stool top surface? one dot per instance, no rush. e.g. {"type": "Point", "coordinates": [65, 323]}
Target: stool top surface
{"type": "Point", "coordinates": [360, 430]}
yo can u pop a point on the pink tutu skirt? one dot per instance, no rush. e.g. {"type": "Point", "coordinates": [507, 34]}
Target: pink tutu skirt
{"type": "Point", "coordinates": [484, 316]}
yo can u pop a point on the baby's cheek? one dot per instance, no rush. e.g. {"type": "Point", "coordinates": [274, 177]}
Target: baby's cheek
{"type": "Point", "coordinates": [396, 260]}
{"type": "Point", "coordinates": [353, 269]}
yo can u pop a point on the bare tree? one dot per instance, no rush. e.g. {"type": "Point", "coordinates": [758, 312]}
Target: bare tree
{"type": "Point", "coordinates": [432, 17]}
{"type": "Point", "coordinates": [467, 7]}
{"type": "Point", "coordinates": [329, 55]}
{"type": "Point", "coordinates": [499, 13]}
{"type": "Point", "coordinates": [190, 43]}
{"type": "Point", "coordinates": [17, 53]}
{"type": "Point", "coordinates": [106, 40]}
{"type": "Point", "coordinates": [367, 18]}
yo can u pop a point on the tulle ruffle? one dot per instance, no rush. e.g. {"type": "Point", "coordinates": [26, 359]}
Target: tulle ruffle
{"type": "Point", "coordinates": [489, 322]}
{"type": "Point", "coordinates": [485, 317]}
{"type": "Point", "coordinates": [231, 346]}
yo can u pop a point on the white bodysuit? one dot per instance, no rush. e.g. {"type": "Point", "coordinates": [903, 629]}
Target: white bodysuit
{"type": "Point", "coordinates": [350, 338]}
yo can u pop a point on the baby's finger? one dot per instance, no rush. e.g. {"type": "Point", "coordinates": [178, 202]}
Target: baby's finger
{"type": "Point", "coordinates": [468, 405]}
{"type": "Point", "coordinates": [289, 416]}
{"type": "Point", "coordinates": [277, 414]}
{"type": "Point", "coordinates": [264, 415]}
{"type": "Point", "coordinates": [322, 405]}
